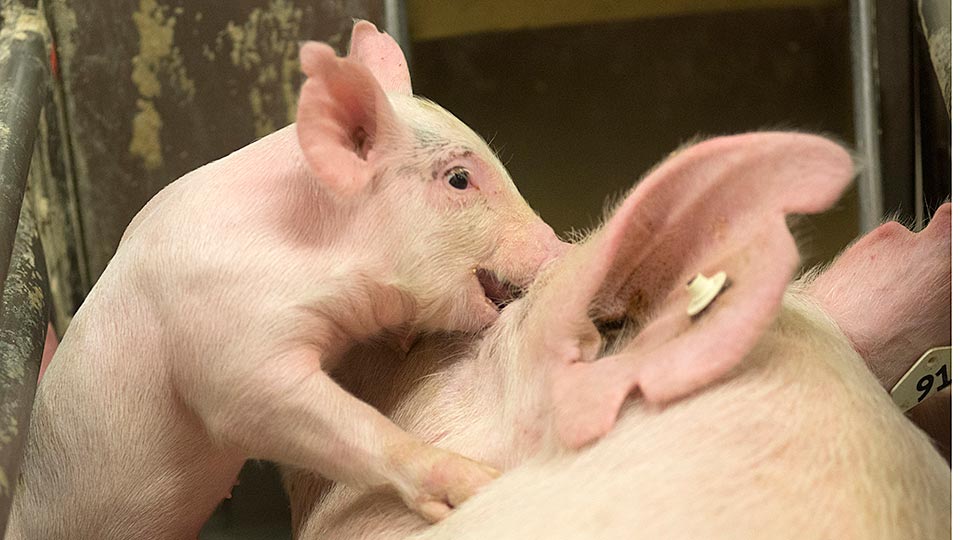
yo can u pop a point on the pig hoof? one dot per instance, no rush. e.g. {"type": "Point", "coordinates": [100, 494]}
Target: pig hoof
{"type": "Point", "coordinates": [434, 511]}
{"type": "Point", "coordinates": [442, 482]}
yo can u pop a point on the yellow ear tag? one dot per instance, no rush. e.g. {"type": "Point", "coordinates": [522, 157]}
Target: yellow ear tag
{"type": "Point", "coordinates": [703, 290]}
{"type": "Point", "coordinates": [929, 375]}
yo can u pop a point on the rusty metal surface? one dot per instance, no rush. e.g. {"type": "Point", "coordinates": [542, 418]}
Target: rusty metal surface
{"type": "Point", "coordinates": [23, 322]}
{"type": "Point", "coordinates": [155, 88]}
{"type": "Point", "coordinates": [23, 84]}
{"type": "Point", "coordinates": [53, 193]}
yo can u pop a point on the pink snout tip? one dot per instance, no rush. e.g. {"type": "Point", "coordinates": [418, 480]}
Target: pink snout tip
{"type": "Point", "coordinates": [550, 249]}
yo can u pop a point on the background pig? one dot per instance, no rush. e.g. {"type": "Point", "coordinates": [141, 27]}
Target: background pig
{"type": "Point", "coordinates": [891, 325]}
{"type": "Point", "coordinates": [206, 339]}
{"type": "Point", "coordinates": [795, 440]}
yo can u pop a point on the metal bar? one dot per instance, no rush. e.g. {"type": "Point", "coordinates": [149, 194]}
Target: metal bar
{"type": "Point", "coordinates": [395, 23]}
{"type": "Point", "coordinates": [931, 83]}
{"type": "Point", "coordinates": [23, 324]}
{"type": "Point", "coordinates": [23, 87]}
{"type": "Point", "coordinates": [894, 87]}
{"type": "Point", "coordinates": [935, 20]}
{"type": "Point", "coordinates": [865, 111]}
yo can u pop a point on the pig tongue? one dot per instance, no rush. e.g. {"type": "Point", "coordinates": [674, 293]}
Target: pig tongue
{"type": "Point", "coordinates": [499, 292]}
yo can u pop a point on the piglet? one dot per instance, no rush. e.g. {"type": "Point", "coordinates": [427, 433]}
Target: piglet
{"type": "Point", "coordinates": [751, 416]}
{"type": "Point", "coordinates": [208, 338]}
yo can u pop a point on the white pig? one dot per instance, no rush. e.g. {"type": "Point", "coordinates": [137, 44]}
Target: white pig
{"type": "Point", "coordinates": [772, 427]}
{"type": "Point", "coordinates": [207, 339]}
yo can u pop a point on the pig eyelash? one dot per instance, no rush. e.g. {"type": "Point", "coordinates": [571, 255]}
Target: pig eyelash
{"type": "Point", "coordinates": [458, 178]}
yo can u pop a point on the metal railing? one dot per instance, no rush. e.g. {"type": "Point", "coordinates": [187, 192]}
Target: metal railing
{"type": "Point", "coordinates": [24, 300]}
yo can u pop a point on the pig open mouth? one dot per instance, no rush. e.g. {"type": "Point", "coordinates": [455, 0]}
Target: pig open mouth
{"type": "Point", "coordinates": [499, 292]}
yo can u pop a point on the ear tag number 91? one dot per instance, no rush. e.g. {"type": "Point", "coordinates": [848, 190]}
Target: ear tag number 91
{"type": "Point", "coordinates": [929, 375]}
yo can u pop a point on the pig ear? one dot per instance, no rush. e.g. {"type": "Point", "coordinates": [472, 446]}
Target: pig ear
{"type": "Point", "coordinates": [343, 119]}
{"type": "Point", "coordinates": [718, 206]}
{"type": "Point", "coordinates": [890, 294]}
{"type": "Point", "coordinates": [382, 55]}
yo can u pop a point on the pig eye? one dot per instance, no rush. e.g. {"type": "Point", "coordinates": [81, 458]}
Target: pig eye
{"type": "Point", "coordinates": [459, 178]}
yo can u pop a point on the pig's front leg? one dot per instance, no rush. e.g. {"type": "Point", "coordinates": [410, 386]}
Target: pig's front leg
{"type": "Point", "coordinates": [290, 411]}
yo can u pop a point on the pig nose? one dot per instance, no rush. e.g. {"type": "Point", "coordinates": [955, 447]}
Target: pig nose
{"type": "Point", "coordinates": [551, 246]}
{"type": "Point", "coordinates": [556, 250]}
{"type": "Point", "coordinates": [538, 247]}
{"type": "Point", "coordinates": [939, 225]}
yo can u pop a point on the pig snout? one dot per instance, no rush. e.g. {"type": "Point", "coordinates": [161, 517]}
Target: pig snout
{"type": "Point", "coordinates": [521, 255]}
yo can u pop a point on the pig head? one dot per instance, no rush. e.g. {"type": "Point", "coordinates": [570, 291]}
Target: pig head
{"type": "Point", "coordinates": [417, 169]}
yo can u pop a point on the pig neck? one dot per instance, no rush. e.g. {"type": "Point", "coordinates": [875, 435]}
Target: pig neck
{"type": "Point", "coordinates": [356, 234]}
{"type": "Point", "coordinates": [309, 250]}
{"type": "Point", "coordinates": [293, 198]}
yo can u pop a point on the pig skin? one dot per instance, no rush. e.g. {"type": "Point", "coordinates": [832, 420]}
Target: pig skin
{"type": "Point", "coordinates": [801, 441]}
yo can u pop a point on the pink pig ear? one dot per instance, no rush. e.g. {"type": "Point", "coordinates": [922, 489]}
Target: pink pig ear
{"type": "Point", "coordinates": [890, 294]}
{"type": "Point", "coordinates": [344, 119]}
{"type": "Point", "coordinates": [718, 206]}
{"type": "Point", "coordinates": [382, 55]}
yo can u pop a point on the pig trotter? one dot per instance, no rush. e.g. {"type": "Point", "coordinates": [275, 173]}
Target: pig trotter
{"type": "Point", "coordinates": [433, 481]}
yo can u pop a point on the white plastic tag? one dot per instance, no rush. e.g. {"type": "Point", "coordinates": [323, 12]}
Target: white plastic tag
{"type": "Point", "coordinates": [929, 375]}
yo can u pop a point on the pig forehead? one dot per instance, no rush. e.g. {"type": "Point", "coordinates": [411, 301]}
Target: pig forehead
{"type": "Point", "coordinates": [433, 125]}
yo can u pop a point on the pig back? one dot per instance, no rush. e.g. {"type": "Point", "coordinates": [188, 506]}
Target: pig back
{"type": "Point", "coordinates": [800, 441]}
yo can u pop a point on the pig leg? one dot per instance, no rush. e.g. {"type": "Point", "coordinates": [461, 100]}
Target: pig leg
{"type": "Point", "coordinates": [296, 414]}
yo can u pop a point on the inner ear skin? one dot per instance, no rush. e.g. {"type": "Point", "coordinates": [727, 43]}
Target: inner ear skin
{"type": "Point", "coordinates": [610, 327]}
{"type": "Point", "coordinates": [615, 333]}
{"type": "Point", "coordinates": [617, 317]}
{"type": "Point", "coordinates": [361, 142]}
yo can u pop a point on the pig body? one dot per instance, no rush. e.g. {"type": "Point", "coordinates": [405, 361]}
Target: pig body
{"type": "Point", "coordinates": [801, 442]}
{"type": "Point", "coordinates": [797, 440]}
{"type": "Point", "coordinates": [207, 339]}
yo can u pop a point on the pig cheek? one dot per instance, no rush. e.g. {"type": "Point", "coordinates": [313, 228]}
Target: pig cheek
{"type": "Point", "coordinates": [464, 223]}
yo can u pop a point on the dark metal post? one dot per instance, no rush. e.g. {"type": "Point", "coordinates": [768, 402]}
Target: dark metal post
{"type": "Point", "coordinates": [865, 111]}
{"type": "Point", "coordinates": [23, 86]}
{"type": "Point", "coordinates": [395, 23]}
{"type": "Point", "coordinates": [935, 18]}
{"type": "Point", "coordinates": [23, 324]}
